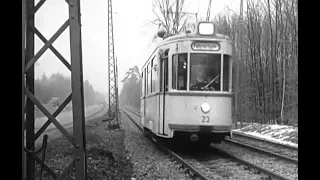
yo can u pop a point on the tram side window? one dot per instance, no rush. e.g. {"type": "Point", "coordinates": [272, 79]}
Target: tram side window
{"type": "Point", "coordinates": [154, 83]}
{"type": "Point", "coordinates": [166, 74]}
{"type": "Point", "coordinates": [149, 79]}
{"type": "Point", "coordinates": [142, 85]}
{"type": "Point", "coordinates": [226, 72]}
{"type": "Point", "coordinates": [146, 82]}
{"type": "Point", "coordinates": [179, 71]}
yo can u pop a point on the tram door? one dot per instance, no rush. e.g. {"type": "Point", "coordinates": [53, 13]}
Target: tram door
{"type": "Point", "coordinates": [163, 90]}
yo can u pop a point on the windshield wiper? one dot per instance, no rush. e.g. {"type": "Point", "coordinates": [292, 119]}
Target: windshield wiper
{"type": "Point", "coordinates": [210, 82]}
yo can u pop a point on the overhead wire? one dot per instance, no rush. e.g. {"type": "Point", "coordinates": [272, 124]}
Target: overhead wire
{"type": "Point", "coordinates": [197, 10]}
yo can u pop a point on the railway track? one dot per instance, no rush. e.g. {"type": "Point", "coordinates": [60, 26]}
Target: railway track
{"type": "Point", "coordinates": [261, 147]}
{"type": "Point", "coordinates": [269, 173]}
{"type": "Point", "coordinates": [269, 142]}
{"type": "Point", "coordinates": [289, 153]}
{"type": "Point", "coordinates": [168, 151]}
{"type": "Point", "coordinates": [66, 125]}
{"type": "Point", "coordinates": [104, 105]}
{"type": "Point", "coordinates": [206, 168]}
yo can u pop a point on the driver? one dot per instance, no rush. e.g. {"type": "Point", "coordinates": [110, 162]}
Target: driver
{"type": "Point", "coordinates": [201, 79]}
{"type": "Point", "coordinates": [200, 76]}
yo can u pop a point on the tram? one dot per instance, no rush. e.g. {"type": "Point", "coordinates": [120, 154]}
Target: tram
{"type": "Point", "coordinates": [187, 87]}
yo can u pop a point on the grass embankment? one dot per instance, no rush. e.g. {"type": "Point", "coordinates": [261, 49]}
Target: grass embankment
{"type": "Point", "coordinates": [105, 153]}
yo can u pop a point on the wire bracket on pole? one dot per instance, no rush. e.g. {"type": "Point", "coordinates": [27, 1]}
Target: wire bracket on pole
{"type": "Point", "coordinates": [43, 150]}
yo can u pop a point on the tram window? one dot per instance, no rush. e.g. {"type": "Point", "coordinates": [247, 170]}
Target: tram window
{"type": "Point", "coordinates": [142, 85]}
{"type": "Point", "coordinates": [179, 71]}
{"type": "Point", "coordinates": [226, 73]}
{"type": "Point", "coordinates": [145, 82]}
{"type": "Point", "coordinates": [146, 79]}
{"type": "Point", "coordinates": [149, 78]}
{"type": "Point", "coordinates": [160, 74]}
{"type": "Point", "coordinates": [205, 70]}
{"type": "Point", "coordinates": [152, 74]}
{"type": "Point", "coordinates": [154, 71]}
{"type": "Point", "coordinates": [166, 74]}
{"type": "Point", "coordinates": [174, 71]}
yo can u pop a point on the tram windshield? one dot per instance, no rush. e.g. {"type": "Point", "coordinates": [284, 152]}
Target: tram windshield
{"type": "Point", "coordinates": [205, 72]}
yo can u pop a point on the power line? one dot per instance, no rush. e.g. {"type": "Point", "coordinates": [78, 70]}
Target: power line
{"type": "Point", "coordinates": [209, 10]}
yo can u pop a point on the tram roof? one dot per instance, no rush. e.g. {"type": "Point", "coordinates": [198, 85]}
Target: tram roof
{"type": "Point", "coordinates": [194, 36]}
{"type": "Point", "coordinates": [189, 36]}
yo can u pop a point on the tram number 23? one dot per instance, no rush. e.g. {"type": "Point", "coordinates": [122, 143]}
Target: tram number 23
{"type": "Point", "coordinates": [205, 119]}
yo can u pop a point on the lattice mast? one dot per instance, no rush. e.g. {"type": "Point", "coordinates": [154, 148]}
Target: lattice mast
{"type": "Point", "coordinates": [78, 162]}
{"type": "Point", "coordinates": [113, 95]}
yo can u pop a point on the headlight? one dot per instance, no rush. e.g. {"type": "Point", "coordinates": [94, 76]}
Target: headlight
{"type": "Point", "coordinates": [205, 107]}
{"type": "Point", "coordinates": [206, 28]}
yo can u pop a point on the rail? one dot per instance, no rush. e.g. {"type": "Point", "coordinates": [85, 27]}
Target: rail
{"type": "Point", "coordinates": [263, 170]}
{"type": "Point", "coordinates": [236, 133]}
{"type": "Point", "coordinates": [261, 150]}
{"type": "Point", "coordinates": [168, 151]}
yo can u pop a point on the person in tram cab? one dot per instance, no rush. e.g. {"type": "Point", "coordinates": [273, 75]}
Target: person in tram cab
{"type": "Point", "coordinates": [205, 77]}
{"type": "Point", "coordinates": [200, 80]}
{"type": "Point", "coordinates": [200, 77]}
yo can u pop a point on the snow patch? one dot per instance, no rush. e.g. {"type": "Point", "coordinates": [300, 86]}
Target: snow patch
{"type": "Point", "coordinates": [281, 134]}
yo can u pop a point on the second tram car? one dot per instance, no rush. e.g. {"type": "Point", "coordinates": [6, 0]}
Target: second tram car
{"type": "Point", "coordinates": [187, 87]}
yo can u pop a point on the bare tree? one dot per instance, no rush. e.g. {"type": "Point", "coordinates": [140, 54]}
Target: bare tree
{"type": "Point", "coordinates": [267, 55]}
{"type": "Point", "coordinates": [172, 22]}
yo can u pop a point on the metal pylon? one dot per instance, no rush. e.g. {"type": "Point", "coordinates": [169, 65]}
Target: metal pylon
{"type": "Point", "coordinates": [28, 60]}
{"type": "Point", "coordinates": [113, 109]}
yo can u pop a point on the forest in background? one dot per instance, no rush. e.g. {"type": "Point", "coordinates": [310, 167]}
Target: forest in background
{"type": "Point", "coordinates": [266, 57]}
{"type": "Point", "coordinates": [265, 39]}
{"type": "Point", "coordinates": [130, 92]}
{"type": "Point", "coordinates": [52, 91]}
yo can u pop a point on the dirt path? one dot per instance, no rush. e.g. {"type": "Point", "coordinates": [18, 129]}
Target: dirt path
{"type": "Point", "coordinates": [105, 152]}
{"type": "Point", "coordinates": [53, 132]}
{"type": "Point", "coordinates": [66, 117]}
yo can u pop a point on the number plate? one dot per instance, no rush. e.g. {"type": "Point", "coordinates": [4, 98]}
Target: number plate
{"type": "Point", "coordinates": [205, 119]}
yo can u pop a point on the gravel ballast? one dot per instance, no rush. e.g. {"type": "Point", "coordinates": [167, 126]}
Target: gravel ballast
{"type": "Point", "coordinates": [281, 167]}
{"type": "Point", "coordinates": [290, 152]}
{"type": "Point", "coordinates": [217, 167]}
{"type": "Point", "coordinates": [148, 162]}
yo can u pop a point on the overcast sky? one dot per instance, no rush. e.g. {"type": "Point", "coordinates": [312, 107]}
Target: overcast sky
{"type": "Point", "coordinates": [132, 34]}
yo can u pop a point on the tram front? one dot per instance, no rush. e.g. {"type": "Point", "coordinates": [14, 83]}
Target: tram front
{"type": "Point", "coordinates": [201, 93]}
